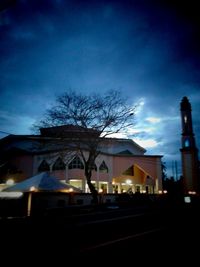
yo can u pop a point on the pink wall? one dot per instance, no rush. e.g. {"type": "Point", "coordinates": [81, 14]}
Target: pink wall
{"type": "Point", "coordinates": [76, 174]}
{"type": "Point", "coordinates": [59, 174]}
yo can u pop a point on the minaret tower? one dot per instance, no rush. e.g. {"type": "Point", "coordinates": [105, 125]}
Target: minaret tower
{"type": "Point", "coordinates": [189, 151]}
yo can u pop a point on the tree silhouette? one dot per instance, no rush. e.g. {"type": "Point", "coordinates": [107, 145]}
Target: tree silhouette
{"type": "Point", "coordinates": [94, 117]}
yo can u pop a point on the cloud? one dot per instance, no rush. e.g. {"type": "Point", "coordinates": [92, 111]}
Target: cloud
{"type": "Point", "coordinates": [153, 119]}
{"type": "Point", "coordinates": [147, 50]}
{"type": "Point", "coordinates": [146, 143]}
{"type": "Point", "coordinates": [15, 124]}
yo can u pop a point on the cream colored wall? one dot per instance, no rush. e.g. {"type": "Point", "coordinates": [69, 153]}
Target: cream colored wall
{"type": "Point", "coordinates": [143, 166]}
{"type": "Point", "coordinates": [139, 176]}
{"type": "Point", "coordinates": [146, 165]}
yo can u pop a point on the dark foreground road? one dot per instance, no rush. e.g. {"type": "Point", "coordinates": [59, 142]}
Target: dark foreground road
{"type": "Point", "coordinates": [145, 235]}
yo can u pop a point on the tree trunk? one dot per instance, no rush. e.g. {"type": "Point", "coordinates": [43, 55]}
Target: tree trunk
{"type": "Point", "coordinates": [92, 188]}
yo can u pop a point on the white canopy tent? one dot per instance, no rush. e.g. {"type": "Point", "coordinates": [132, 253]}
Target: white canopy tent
{"type": "Point", "coordinates": [41, 182]}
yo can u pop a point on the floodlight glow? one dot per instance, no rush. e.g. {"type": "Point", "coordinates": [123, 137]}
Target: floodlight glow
{"type": "Point", "coordinates": [187, 199]}
{"type": "Point", "coordinates": [10, 182]}
{"type": "Point", "coordinates": [10, 194]}
{"type": "Point", "coordinates": [192, 192]}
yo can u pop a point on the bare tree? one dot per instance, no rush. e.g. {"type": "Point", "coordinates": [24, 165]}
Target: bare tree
{"type": "Point", "coordinates": [96, 117]}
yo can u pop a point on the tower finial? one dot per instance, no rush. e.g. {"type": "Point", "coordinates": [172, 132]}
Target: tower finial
{"type": "Point", "coordinates": [185, 104]}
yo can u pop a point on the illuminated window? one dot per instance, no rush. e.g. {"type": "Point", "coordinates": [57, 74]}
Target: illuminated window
{"type": "Point", "coordinates": [76, 163]}
{"type": "Point", "coordinates": [59, 165]}
{"type": "Point", "coordinates": [103, 167]}
{"type": "Point", "coordinates": [187, 143]}
{"type": "Point", "coordinates": [185, 119]}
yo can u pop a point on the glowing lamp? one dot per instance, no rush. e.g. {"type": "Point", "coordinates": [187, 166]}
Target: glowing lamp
{"type": "Point", "coordinates": [32, 188]}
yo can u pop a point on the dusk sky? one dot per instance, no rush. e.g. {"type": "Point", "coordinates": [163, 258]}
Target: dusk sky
{"type": "Point", "coordinates": [149, 50]}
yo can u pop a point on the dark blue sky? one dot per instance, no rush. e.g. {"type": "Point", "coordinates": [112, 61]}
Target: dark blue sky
{"type": "Point", "coordinates": [149, 50]}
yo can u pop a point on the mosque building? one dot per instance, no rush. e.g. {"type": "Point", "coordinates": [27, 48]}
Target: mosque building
{"type": "Point", "coordinates": [121, 165]}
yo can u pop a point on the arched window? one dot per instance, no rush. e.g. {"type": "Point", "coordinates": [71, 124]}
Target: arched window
{"type": "Point", "coordinates": [76, 163]}
{"type": "Point", "coordinates": [44, 166]}
{"type": "Point", "coordinates": [59, 164]}
{"type": "Point", "coordinates": [103, 167]}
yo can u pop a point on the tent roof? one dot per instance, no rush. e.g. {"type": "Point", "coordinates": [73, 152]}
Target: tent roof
{"type": "Point", "coordinates": [41, 182]}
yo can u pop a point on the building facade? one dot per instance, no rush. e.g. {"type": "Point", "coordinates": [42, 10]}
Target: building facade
{"type": "Point", "coordinates": [121, 166]}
